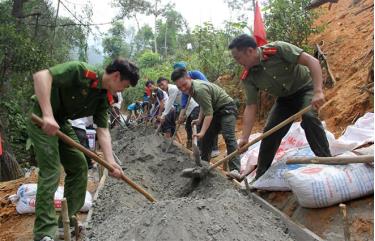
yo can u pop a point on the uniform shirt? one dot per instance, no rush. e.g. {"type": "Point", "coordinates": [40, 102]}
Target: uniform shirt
{"type": "Point", "coordinates": [209, 96]}
{"type": "Point", "coordinates": [72, 96]}
{"type": "Point", "coordinates": [278, 74]}
{"type": "Point", "coordinates": [194, 74]}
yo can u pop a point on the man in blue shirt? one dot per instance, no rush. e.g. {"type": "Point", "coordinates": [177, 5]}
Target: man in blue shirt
{"type": "Point", "coordinates": [194, 74]}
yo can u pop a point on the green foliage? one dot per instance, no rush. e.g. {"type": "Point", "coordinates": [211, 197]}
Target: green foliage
{"type": "Point", "coordinates": [114, 44]}
{"type": "Point", "coordinates": [211, 54]}
{"type": "Point", "coordinates": [148, 59]}
{"type": "Point", "coordinates": [143, 39]}
{"type": "Point", "coordinates": [26, 46]}
{"type": "Point", "coordinates": [13, 114]}
{"type": "Point", "coordinates": [148, 73]}
{"type": "Point", "coordinates": [287, 20]}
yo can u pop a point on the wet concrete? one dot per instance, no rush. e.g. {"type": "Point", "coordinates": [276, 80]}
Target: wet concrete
{"type": "Point", "coordinates": [212, 209]}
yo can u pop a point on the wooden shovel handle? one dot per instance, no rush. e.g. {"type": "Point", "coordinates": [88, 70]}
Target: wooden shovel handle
{"type": "Point", "coordinates": [261, 137]}
{"type": "Point", "coordinates": [337, 160]}
{"type": "Point", "coordinates": [37, 120]}
{"type": "Point", "coordinates": [195, 141]}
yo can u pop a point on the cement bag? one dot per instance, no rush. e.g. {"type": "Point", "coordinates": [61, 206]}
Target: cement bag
{"type": "Point", "coordinates": [26, 199]}
{"type": "Point", "coordinates": [317, 186]}
{"type": "Point", "coordinates": [360, 133]}
{"type": "Point", "coordinates": [273, 179]}
{"type": "Point", "coordinates": [295, 138]}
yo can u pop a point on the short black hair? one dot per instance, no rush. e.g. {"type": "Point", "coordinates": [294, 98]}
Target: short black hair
{"type": "Point", "coordinates": [161, 79]}
{"type": "Point", "coordinates": [178, 73]}
{"type": "Point", "coordinates": [243, 41]}
{"type": "Point", "coordinates": [127, 69]}
{"type": "Point", "coordinates": [149, 82]}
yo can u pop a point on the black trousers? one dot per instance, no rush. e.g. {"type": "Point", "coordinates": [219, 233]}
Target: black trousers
{"type": "Point", "coordinates": [189, 131]}
{"type": "Point", "coordinates": [169, 124]}
{"type": "Point", "coordinates": [84, 141]}
{"type": "Point", "coordinates": [283, 108]}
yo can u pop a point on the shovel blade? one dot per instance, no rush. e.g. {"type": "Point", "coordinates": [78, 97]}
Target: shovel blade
{"type": "Point", "coordinates": [194, 172]}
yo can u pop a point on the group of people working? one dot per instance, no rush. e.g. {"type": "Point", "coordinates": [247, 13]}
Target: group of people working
{"type": "Point", "coordinates": [75, 89]}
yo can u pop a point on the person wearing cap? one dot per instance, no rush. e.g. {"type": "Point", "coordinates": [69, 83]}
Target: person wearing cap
{"type": "Point", "coordinates": [191, 112]}
{"type": "Point", "coordinates": [217, 114]}
{"type": "Point", "coordinates": [295, 78]}
{"type": "Point", "coordinates": [71, 90]}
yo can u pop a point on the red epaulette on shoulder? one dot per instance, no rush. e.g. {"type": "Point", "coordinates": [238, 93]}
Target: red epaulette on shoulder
{"type": "Point", "coordinates": [92, 76]}
{"type": "Point", "coordinates": [270, 51]}
{"type": "Point", "coordinates": [244, 74]}
{"type": "Point", "coordinates": [267, 52]}
{"type": "Point", "coordinates": [110, 98]}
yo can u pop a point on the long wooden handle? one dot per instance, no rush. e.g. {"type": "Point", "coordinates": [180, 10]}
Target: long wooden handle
{"type": "Point", "coordinates": [261, 137]}
{"type": "Point", "coordinates": [195, 139]}
{"type": "Point", "coordinates": [178, 126]}
{"type": "Point", "coordinates": [337, 160]}
{"type": "Point", "coordinates": [37, 120]}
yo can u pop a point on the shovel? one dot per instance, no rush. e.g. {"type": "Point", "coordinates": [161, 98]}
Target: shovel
{"type": "Point", "coordinates": [178, 126]}
{"type": "Point", "coordinates": [203, 171]}
{"type": "Point", "coordinates": [157, 129]}
{"type": "Point", "coordinates": [36, 119]}
{"type": "Point", "coordinates": [195, 148]}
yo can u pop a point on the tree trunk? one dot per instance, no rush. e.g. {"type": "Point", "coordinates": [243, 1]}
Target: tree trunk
{"type": "Point", "coordinates": [165, 38]}
{"type": "Point", "coordinates": [155, 38]}
{"type": "Point", "coordinates": [9, 167]}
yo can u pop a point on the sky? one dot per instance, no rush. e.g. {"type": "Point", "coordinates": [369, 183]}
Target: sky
{"type": "Point", "coordinates": [196, 12]}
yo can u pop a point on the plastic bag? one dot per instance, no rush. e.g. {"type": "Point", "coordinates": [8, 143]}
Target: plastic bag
{"type": "Point", "coordinates": [26, 199]}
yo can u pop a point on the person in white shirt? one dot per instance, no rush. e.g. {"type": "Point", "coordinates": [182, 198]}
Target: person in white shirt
{"type": "Point", "coordinates": [115, 109]}
{"type": "Point", "coordinates": [79, 127]}
{"type": "Point", "coordinates": [168, 116]}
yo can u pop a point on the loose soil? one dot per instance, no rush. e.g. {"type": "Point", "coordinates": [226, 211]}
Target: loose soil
{"type": "Point", "coordinates": [212, 209]}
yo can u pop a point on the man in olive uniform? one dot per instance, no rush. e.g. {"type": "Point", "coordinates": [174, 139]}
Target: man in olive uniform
{"type": "Point", "coordinates": [217, 112]}
{"type": "Point", "coordinates": [69, 91]}
{"type": "Point", "coordinates": [295, 78]}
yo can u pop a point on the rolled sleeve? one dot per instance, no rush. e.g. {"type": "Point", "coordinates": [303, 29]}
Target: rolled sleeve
{"type": "Point", "coordinates": [251, 93]}
{"type": "Point", "coordinates": [101, 115]}
{"type": "Point", "coordinates": [289, 52]}
{"type": "Point", "coordinates": [64, 75]}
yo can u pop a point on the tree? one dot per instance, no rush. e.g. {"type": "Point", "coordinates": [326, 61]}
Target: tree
{"type": "Point", "coordinates": [168, 30]}
{"type": "Point", "coordinates": [114, 44]}
{"type": "Point", "coordinates": [25, 40]}
{"type": "Point", "coordinates": [288, 20]}
{"type": "Point", "coordinates": [131, 9]}
{"type": "Point", "coordinates": [143, 39]}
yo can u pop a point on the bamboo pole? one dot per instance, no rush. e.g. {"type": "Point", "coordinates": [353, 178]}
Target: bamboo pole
{"type": "Point", "coordinates": [65, 219]}
{"type": "Point", "coordinates": [338, 160]}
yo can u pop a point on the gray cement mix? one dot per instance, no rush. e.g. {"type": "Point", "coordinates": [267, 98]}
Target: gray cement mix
{"type": "Point", "coordinates": [211, 210]}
